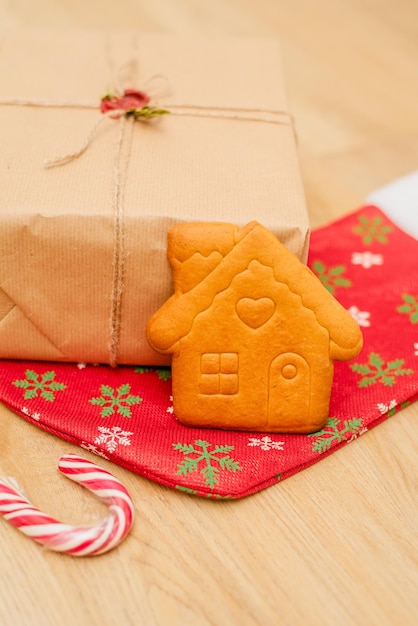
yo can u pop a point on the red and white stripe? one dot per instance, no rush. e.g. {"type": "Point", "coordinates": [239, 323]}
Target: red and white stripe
{"type": "Point", "coordinates": [74, 540]}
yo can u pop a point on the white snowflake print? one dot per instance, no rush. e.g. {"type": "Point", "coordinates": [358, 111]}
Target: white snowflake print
{"type": "Point", "coordinates": [265, 443]}
{"type": "Point", "coordinates": [385, 408]}
{"type": "Point", "coordinates": [170, 409]}
{"type": "Point", "coordinates": [92, 448]}
{"type": "Point", "coordinates": [357, 434]}
{"type": "Point", "coordinates": [34, 416]}
{"type": "Point", "coordinates": [416, 349]}
{"type": "Point", "coordinates": [113, 437]}
{"type": "Point", "coordinates": [361, 317]}
{"type": "Point", "coordinates": [366, 259]}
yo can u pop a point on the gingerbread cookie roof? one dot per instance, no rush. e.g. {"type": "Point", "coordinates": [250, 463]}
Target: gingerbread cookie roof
{"type": "Point", "coordinates": [215, 254]}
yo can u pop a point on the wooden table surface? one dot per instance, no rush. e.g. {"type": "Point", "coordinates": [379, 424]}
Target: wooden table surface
{"type": "Point", "coordinates": [335, 544]}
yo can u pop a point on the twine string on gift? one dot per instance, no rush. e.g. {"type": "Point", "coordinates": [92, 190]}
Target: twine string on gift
{"type": "Point", "coordinates": [121, 109]}
{"type": "Point", "coordinates": [245, 115]}
{"type": "Point", "coordinates": [267, 116]}
{"type": "Point", "coordinates": [42, 103]}
{"type": "Point", "coordinates": [119, 176]}
{"type": "Point", "coordinates": [70, 156]}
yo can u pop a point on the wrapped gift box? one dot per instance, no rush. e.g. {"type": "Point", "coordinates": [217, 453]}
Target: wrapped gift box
{"type": "Point", "coordinates": [83, 244]}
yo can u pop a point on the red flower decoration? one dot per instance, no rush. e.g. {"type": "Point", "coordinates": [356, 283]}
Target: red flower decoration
{"type": "Point", "coordinates": [130, 100]}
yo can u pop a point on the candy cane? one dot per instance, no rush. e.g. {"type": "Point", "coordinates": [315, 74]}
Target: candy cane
{"type": "Point", "coordinates": [75, 540]}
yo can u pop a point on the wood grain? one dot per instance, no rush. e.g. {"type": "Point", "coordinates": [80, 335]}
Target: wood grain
{"type": "Point", "coordinates": [336, 544]}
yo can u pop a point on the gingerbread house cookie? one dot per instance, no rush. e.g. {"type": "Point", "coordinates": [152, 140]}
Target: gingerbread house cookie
{"type": "Point", "coordinates": [252, 332]}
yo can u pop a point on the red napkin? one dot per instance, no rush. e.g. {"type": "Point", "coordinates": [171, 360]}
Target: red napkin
{"type": "Point", "coordinates": [125, 414]}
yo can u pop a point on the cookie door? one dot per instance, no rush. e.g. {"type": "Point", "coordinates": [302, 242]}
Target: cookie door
{"type": "Point", "coordinates": [289, 390]}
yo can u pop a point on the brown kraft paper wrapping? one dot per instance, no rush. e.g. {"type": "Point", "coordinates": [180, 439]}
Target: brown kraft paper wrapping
{"type": "Point", "coordinates": [83, 245]}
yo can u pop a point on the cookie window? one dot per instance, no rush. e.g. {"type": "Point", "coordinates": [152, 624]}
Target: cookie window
{"type": "Point", "coordinates": [219, 373]}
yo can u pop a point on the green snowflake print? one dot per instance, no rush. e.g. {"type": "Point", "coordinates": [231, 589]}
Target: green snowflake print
{"type": "Point", "coordinates": [207, 460]}
{"type": "Point", "coordinates": [331, 277]}
{"type": "Point", "coordinates": [116, 400]}
{"type": "Point", "coordinates": [410, 307]}
{"type": "Point", "coordinates": [163, 373]}
{"type": "Point", "coordinates": [335, 432]}
{"type": "Point", "coordinates": [372, 230]}
{"type": "Point", "coordinates": [376, 371]}
{"type": "Point", "coordinates": [36, 385]}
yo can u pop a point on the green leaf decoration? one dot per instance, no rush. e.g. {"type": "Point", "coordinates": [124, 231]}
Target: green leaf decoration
{"type": "Point", "coordinates": [124, 389]}
{"type": "Point", "coordinates": [366, 382]}
{"type": "Point", "coordinates": [39, 385]}
{"type": "Point", "coordinates": [334, 432]}
{"type": "Point", "coordinates": [322, 445]}
{"type": "Point", "coordinates": [163, 373]}
{"type": "Point", "coordinates": [31, 375]}
{"type": "Point", "coordinates": [100, 401]}
{"type": "Point", "coordinates": [47, 395]}
{"type": "Point", "coordinates": [116, 400]}
{"type": "Point", "coordinates": [361, 368]}
{"type": "Point", "coordinates": [48, 376]}
{"type": "Point", "coordinates": [30, 393]}
{"type": "Point", "coordinates": [223, 449]}
{"type": "Point", "coordinates": [372, 229]}
{"type": "Point", "coordinates": [388, 381]}
{"type": "Point", "coordinates": [124, 410]}
{"type": "Point", "coordinates": [331, 277]}
{"type": "Point", "coordinates": [375, 360]}
{"type": "Point", "coordinates": [229, 464]}
{"type": "Point", "coordinates": [395, 364]}
{"type": "Point", "coordinates": [209, 463]}
{"type": "Point", "coordinates": [107, 411]}
{"type": "Point", "coordinates": [23, 384]}
{"type": "Point", "coordinates": [131, 400]}
{"type": "Point", "coordinates": [354, 424]}
{"type": "Point", "coordinates": [188, 465]}
{"type": "Point", "coordinates": [210, 474]}
{"type": "Point", "coordinates": [410, 307]}
{"type": "Point", "coordinates": [376, 371]}
{"type": "Point", "coordinates": [319, 267]}
{"type": "Point", "coordinates": [147, 112]}
{"type": "Point", "coordinates": [183, 447]}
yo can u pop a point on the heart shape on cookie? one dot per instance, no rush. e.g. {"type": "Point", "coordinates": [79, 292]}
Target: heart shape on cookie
{"type": "Point", "coordinates": [255, 311]}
